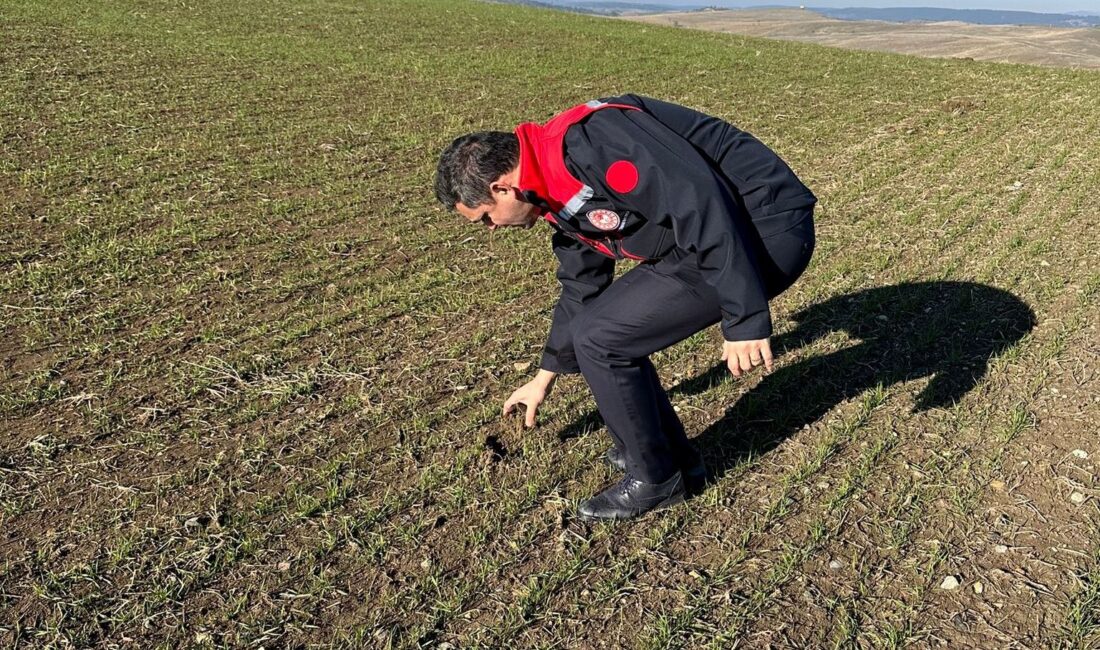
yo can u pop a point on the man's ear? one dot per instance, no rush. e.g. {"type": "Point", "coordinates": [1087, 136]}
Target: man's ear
{"type": "Point", "coordinates": [499, 186]}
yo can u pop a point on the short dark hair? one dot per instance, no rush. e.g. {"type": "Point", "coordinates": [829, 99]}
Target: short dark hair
{"type": "Point", "coordinates": [471, 163]}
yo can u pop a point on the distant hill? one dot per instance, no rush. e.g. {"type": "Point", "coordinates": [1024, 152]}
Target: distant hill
{"type": "Point", "coordinates": [549, 5]}
{"type": "Point", "coordinates": [604, 8]}
{"type": "Point", "coordinates": [1034, 44]}
{"type": "Point", "coordinates": [893, 15]}
{"type": "Point", "coordinates": [973, 16]}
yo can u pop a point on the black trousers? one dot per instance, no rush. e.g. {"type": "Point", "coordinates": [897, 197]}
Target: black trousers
{"type": "Point", "coordinates": [648, 309]}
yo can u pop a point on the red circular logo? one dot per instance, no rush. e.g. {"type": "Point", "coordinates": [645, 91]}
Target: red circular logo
{"type": "Point", "coordinates": [622, 176]}
{"type": "Point", "coordinates": [604, 219]}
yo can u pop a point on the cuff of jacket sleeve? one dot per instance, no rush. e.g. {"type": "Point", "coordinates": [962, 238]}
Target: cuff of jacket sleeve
{"type": "Point", "coordinates": [755, 327]}
{"type": "Point", "coordinates": [561, 366]}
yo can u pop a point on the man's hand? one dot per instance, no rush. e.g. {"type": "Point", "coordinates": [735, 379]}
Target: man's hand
{"type": "Point", "coordinates": [743, 356]}
{"type": "Point", "coordinates": [531, 395]}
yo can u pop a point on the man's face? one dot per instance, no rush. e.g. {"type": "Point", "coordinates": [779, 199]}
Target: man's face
{"type": "Point", "coordinates": [508, 210]}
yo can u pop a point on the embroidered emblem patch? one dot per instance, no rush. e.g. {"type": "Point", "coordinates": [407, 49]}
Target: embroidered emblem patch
{"type": "Point", "coordinates": [604, 219]}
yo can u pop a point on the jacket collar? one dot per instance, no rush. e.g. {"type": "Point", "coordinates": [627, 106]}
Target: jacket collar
{"type": "Point", "coordinates": [531, 180]}
{"type": "Point", "coordinates": [542, 167]}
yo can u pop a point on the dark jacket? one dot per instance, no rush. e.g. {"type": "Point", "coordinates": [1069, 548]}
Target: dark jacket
{"type": "Point", "coordinates": [637, 184]}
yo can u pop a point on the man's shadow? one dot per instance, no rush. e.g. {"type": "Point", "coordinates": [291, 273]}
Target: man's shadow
{"type": "Point", "coordinates": [947, 331]}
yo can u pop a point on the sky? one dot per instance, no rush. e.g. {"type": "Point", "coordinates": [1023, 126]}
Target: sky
{"type": "Point", "coordinates": [1042, 6]}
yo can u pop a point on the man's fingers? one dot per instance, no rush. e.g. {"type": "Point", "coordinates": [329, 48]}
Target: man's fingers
{"type": "Point", "coordinates": [508, 406]}
{"type": "Point", "coordinates": [742, 357]}
{"type": "Point", "coordinates": [530, 422]}
{"type": "Point", "coordinates": [746, 362]}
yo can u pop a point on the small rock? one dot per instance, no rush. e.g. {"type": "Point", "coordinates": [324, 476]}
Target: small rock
{"type": "Point", "coordinates": [426, 564]}
{"type": "Point", "coordinates": [835, 565]}
{"type": "Point", "coordinates": [997, 485]}
{"type": "Point", "coordinates": [1080, 453]}
{"type": "Point", "coordinates": [554, 504]}
{"type": "Point", "coordinates": [978, 588]}
{"type": "Point", "coordinates": [1000, 548]}
{"type": "Point", "coordinates": [521, 365]}
{"type": "Point", "coordinates": [1077, 497]}
{"type": "Point", "coordinates": [949, 583]}
{"type": "Point", "coordinates": [203, 637]}
{"type": "Point", "coordinates": [283, 566]}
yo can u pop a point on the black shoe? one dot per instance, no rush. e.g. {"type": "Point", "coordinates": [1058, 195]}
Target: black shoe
{"type": "Point", "coordinates": [630, 497]}
{"type": "Point", "coordinates": [695, 474]}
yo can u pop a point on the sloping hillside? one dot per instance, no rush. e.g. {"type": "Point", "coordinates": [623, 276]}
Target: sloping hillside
{"type": "Point", "coordinates": [1050, 46]}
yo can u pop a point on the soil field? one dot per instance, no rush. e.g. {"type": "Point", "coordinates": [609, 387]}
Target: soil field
{"type": "Point", "coordinates": [250, 374]}
{"type": "Point", "coordinates": [1051, 46]}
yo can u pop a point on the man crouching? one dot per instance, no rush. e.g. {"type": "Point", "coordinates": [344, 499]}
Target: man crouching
{"type": "Point", "coordinates": [718, 223]}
